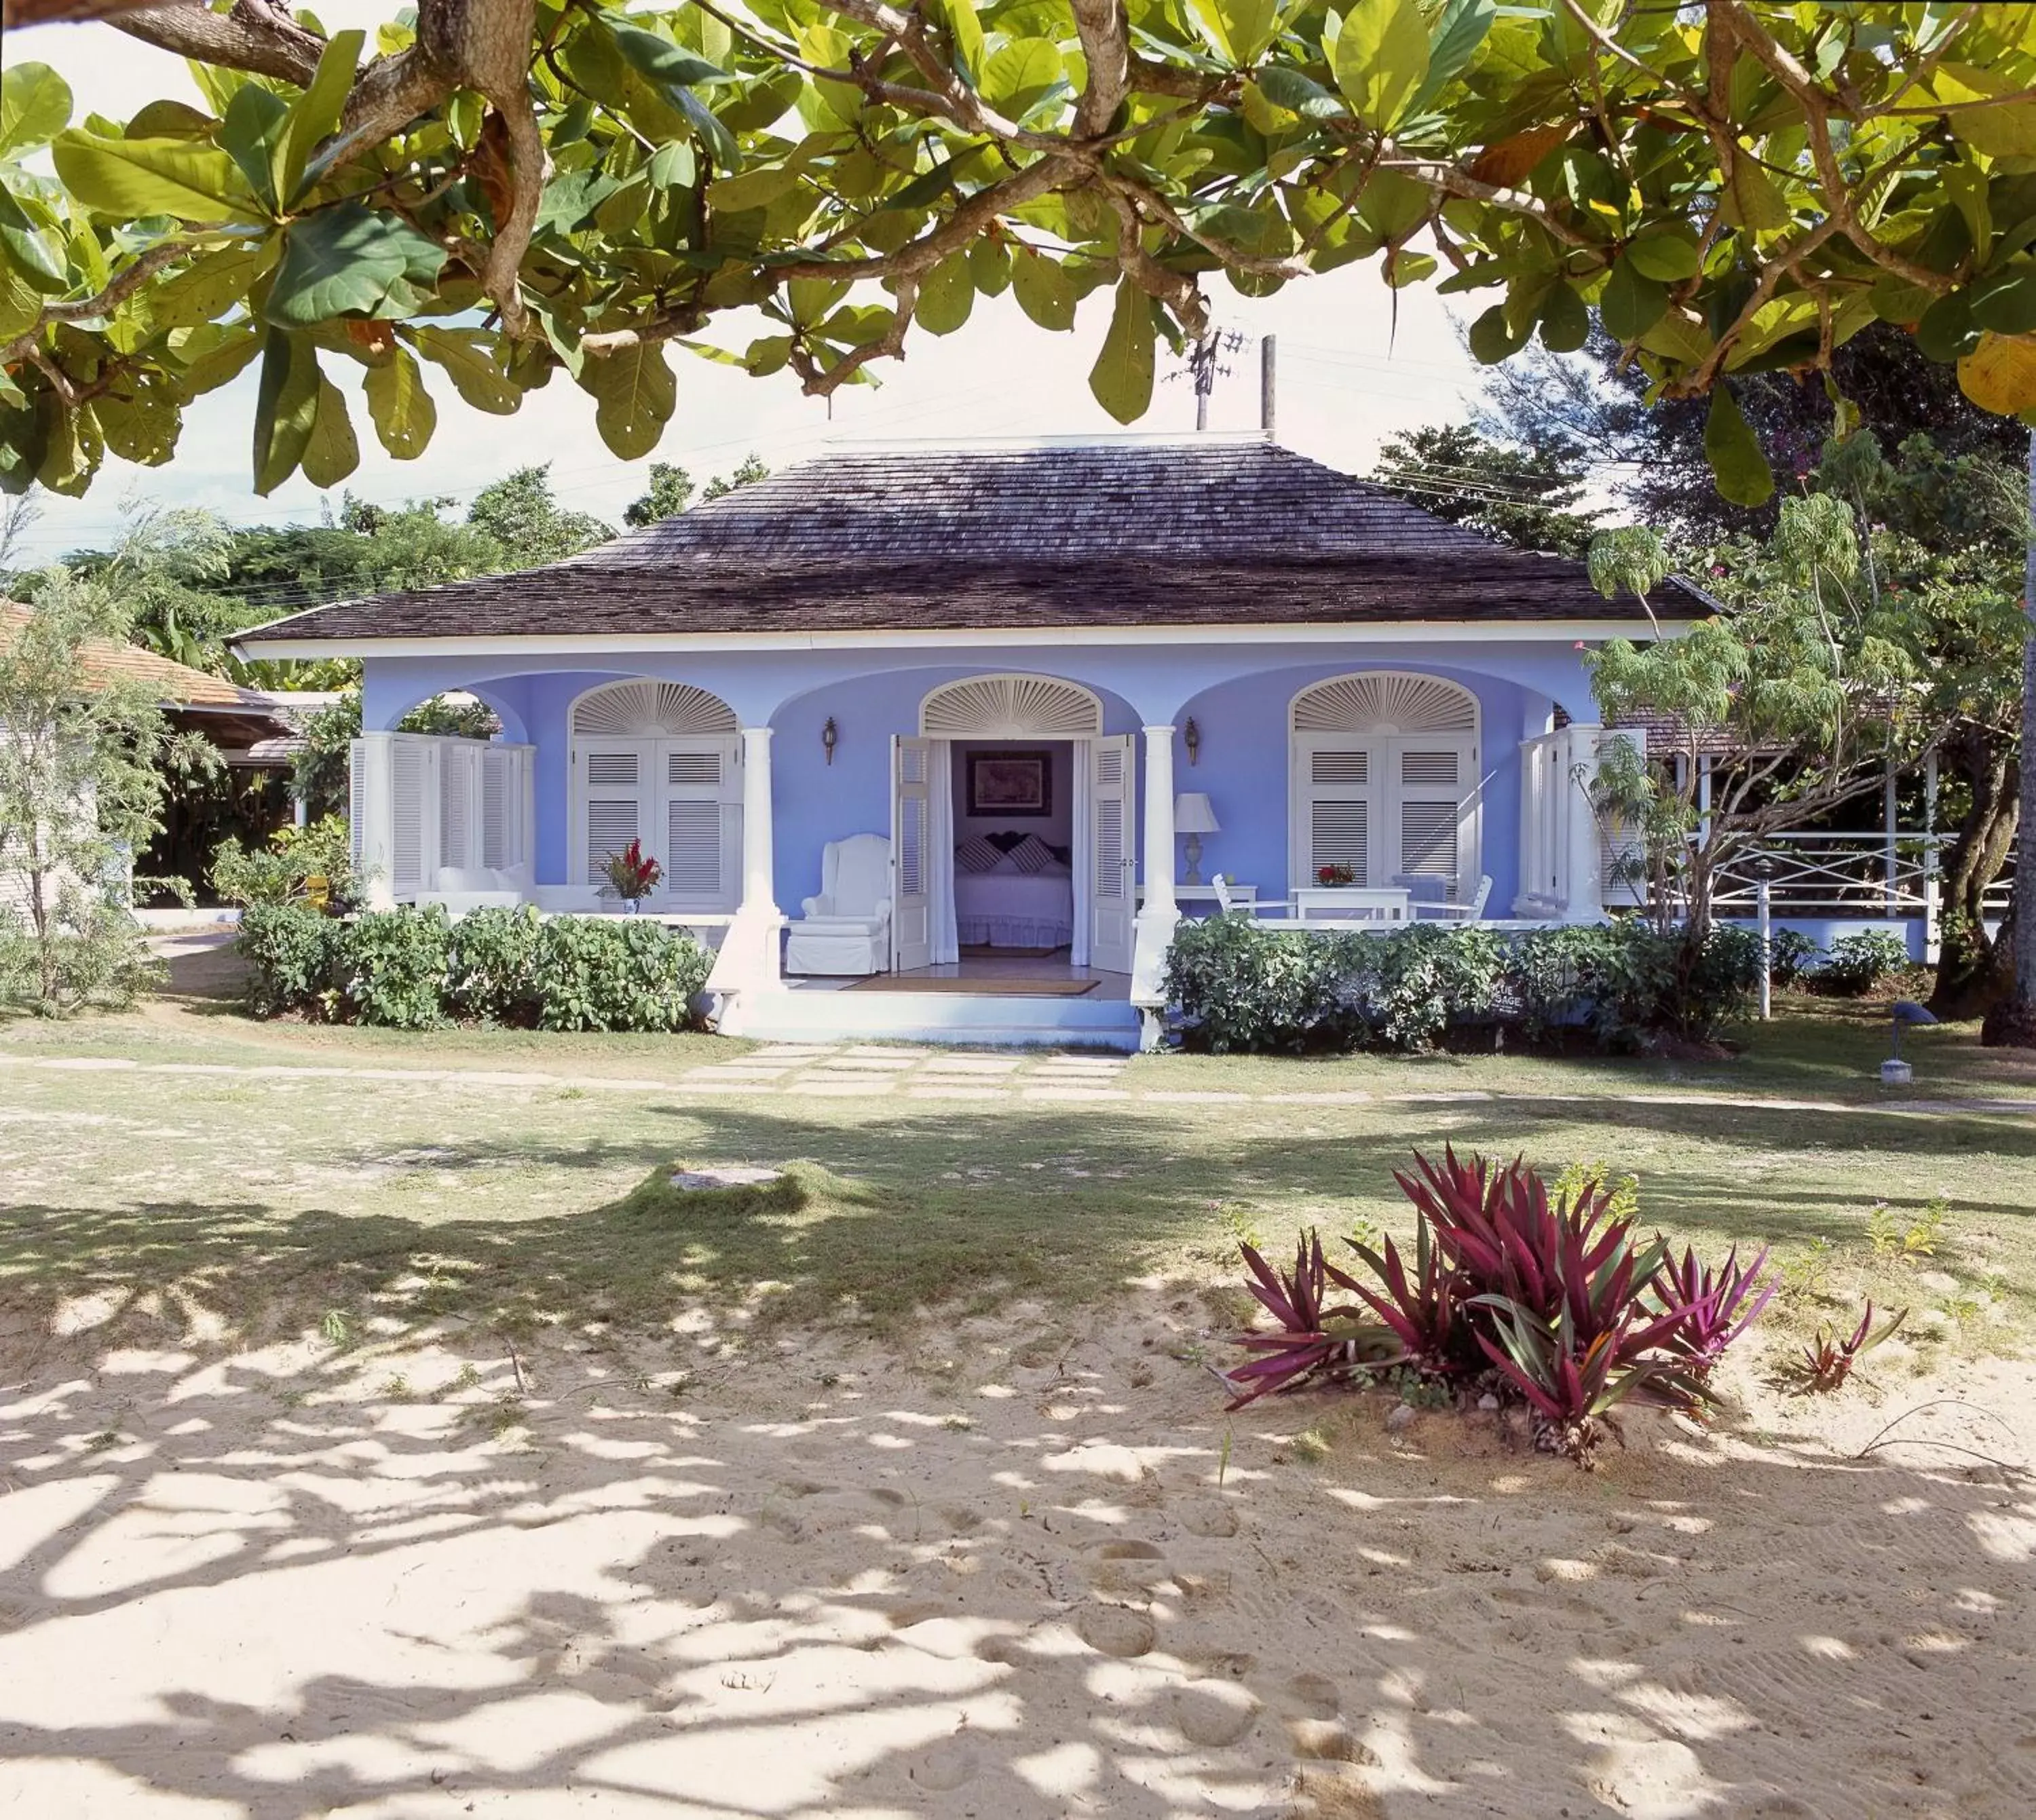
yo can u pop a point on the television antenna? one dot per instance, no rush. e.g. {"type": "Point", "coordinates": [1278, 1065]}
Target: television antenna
{"type": "Point", "coordinates": [1206, 365]}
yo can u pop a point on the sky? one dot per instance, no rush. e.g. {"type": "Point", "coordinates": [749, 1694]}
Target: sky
{"type": "Point", "coordinates": [1351, 371]}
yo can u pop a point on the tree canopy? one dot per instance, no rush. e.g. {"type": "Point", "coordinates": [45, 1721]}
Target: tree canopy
{"type": "Point", "coordinates": [504, 190]}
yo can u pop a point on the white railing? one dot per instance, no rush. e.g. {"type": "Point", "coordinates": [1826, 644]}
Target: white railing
{"type": "Point", "coordinates": [1826, 875]}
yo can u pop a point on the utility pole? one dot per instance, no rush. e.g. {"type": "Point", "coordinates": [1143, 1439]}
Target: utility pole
{"type": "Point", "coordinates": [1205, 367]}
{"type": "Point", "coordinates": [1269, 354]}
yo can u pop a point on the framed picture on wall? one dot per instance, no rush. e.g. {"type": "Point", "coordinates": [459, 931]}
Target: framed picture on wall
{"type": "Point", "coordinates": [1011, 783]}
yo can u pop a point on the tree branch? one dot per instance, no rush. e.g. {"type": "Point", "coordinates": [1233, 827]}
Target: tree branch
{"type": "Point", "coordinates": [116, 292]}
{"type": "Point", "coordinates": [253, 36]}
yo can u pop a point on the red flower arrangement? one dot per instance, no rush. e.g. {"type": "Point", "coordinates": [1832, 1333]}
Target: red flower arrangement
{"type": "Point", "coordinates": [1335, 876]}
{"type": "Point", "coordinates": [632, 875]}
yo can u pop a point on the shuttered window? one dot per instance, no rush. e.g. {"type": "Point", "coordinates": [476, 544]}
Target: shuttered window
{"type": "Point", "coordinates": [692, 849]}
{"type": "Point", "coordinates": [611, 826]}
{"type": "Point", "coordinates": [911, 835]}
{"type": "Point", "coordinates": [406, 777]}
{"type": "Point", "coordinates": [1110, 846]}
{"type": "Point", "coordinates": [613, 770]}
{"type": "Point", "coordinates": [456, 806]}
{"type": "Point", "coordinates": [693, 769]}
{"type": "Point", "coordinates": [1386, 807]}
{"type": "Point", "coordinates": [1340, 835]}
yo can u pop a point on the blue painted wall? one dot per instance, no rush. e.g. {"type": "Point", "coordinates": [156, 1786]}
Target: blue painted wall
{"type": "Point", "coordinates": [1238, 695]}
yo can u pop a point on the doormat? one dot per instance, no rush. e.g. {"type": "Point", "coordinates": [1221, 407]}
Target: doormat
{"type": "Point", "coordinates": [979, 987]}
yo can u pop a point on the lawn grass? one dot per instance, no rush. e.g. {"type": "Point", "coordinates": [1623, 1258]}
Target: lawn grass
{"type": "Point", "coordinates": [239, 1203]}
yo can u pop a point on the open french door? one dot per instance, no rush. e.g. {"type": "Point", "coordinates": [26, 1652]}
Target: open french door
{"type": "Point", "coordinates": [911, 897]}
{"type": "Point", "coordinates": [1112, 793]}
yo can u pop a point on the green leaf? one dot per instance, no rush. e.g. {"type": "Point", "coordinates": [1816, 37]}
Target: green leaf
{"type": "Point", "coordinates": [1380, 58]}
{"type": "Point", "coordinates": [1565, 320]}
{"type": "Point", "coordinates": [404, 414]}
{"type": "Point", "coordinates": [569, 201]}
{"type": "Point", "coordinates": [128, 178]}
{"type": "Point", "coordinates": [1733, 451]}
{"type": "Point", "coordinates": [1042, 290]}
{"type": "Point", "coordinates": [673, 166]}
{"type": "Point", "coordinates": [1239, 30]}
{"type": "Point", "coordinates": [72, 453]}
{"type": "Point", "coordinates": [2005, 301]}
{"type": "Point", "coordinates": [212, 284]}
{"type": "Point", "coordinates": [1122, 378]}
{"type": "Point", "coordinates": [316, 115]}
{"type": "Point", "coordinates": [471, 366]}
{"type": "Point", "coordinates": [1946, 331]}
{"type": "Point", "coordinates": [285, 408]}
{"type": "Point", "coordinates": [719, 142]}
{"type": "Point", "coordinates": [213, 354]}
{"type": "Point", "coordinates": [1631, 303]}
{"type": "Point", "coordinates": [1298, 94]}
{"type": "Point", "coordinates": [1458, 32]}
{"type": "Point", "coordinates": [635, 394]}
{"type": "Point", "coordinates": [21, 303]}
{"type": "Point", "coordinates": [343, 262]}
{"type": "Point", "coordinates": [1666, 254]}
{"type": "Point", "coordinates": [253, 125]}
{"type": "Point", "coordinates": [757, 188]}
{"type": "Point", "coordinates": [1021, 74]}
{"type": "Point", "coordinates": [965, 31]}
{"type": "Point", "coordinates": [331, 452]}
{"type": "Point", "coordinates": [947, 294]}
{"type": "Point", "coordinates": [768, 354]}
{"type": "Point", "coordinates": [140, 422]}
{"type": "Point", "coordinates": [989, 266]}
{"type": "Point", "coordinates": [1493, 339]}
{"type": "Point", "coordinates": [662, 61]}
{"type": "Point", "coordinates": [30, 249]}
{"type": "Point", "coordinates": [1752, 199]}
{"type": "Point", "coordinates": [35, 107]}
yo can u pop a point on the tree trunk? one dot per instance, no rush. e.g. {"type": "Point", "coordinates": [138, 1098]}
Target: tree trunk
{"type": "Point", "coordinates": [1968, 978]}
{"type": "Point", "coordinates": [2011, 1024]}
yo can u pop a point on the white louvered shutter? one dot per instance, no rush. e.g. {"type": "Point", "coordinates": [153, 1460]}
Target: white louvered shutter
{"type": "Point", "coordinates": [701, 822]}
{"type": "Point", "coordinates": [1338, 806]}
{"type": "Point", "coordinates": [611, 786]}
{"type": "Point", "coordinates": [357, 786]}
{"type": "Point", "coordinates": [459, 767]}
{"type": "Point", "coordinates": [408, 770]}
{"type": "Point", "coordinates": [1434, 787]}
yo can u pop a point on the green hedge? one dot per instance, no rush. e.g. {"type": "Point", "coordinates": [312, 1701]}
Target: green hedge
{"type": "Point", "coordinates": [413, 969]}
{"type": "Point", "coordinates": [1239, 985]}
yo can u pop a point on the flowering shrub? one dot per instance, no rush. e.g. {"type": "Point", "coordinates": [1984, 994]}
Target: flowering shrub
{"type": "Point", "coordinates": [1335, 876]}
{"type": "Point", "coordinates": [1548, 1301]}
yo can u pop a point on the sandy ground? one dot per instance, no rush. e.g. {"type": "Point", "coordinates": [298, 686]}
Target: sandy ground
{"type": "Point", "coordinates": [1029, 1571]}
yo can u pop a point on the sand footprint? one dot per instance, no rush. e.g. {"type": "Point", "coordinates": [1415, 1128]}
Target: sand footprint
{"type": "Point", "coordinates": [1115, 1630]}
{"type": "Point", "coordinates": [948, 1765]}
{"type": "Point", "coordinates": [1209, 1518]}
{"type": "Point", "coordinates": [1214, 1713]}
{"type": "Point", "coordinates": [1316, 1695]}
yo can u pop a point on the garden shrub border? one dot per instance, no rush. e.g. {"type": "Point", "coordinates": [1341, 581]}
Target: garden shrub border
{"type": "Point", "coordinates": [1239, 985]}
{"type": "Point", "coordinates": [411, 969]}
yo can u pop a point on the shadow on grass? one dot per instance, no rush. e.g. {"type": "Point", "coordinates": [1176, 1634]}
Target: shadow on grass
{"type": "Point", "coordinates": [883, 1219]}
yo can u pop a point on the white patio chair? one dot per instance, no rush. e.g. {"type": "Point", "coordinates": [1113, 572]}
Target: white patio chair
{"type": "Point", "coordinates": [1470, 912]}
{"type": "Point", "coordinates": [847, 927]}
{"type": "Point", "coordinates": [1252, 907]}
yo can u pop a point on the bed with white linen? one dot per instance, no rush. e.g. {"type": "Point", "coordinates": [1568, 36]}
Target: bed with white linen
{"type": "Point", "coordinates": [1011, 909]}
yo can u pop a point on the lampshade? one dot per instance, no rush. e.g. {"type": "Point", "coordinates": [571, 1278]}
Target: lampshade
{"type": "Point", "coordinates": [1192, 814]}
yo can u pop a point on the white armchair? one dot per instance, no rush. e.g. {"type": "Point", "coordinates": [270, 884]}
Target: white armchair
{"type": "Point", "coordinates": [480, 888]}
{"type": "Point", "coordinates": [846, 929]}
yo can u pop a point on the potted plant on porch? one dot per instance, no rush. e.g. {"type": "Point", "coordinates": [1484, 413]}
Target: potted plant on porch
{"type": "Point", "coordinates": [1335, 876]}
{"type": "Point", "coordinates": [632, 875]}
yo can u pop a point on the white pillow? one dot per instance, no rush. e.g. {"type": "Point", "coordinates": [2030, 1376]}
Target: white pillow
{"type": "Point", "coordinates": [977, 855]}
{"type": "Point", "coordinates": [1031, 855]}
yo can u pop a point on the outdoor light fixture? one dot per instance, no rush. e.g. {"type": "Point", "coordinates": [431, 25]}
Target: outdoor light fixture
{"type": "Point", "coordinates": [1895, 1071]}
{"type": "Point", "coordinates": [1191, 736]}
{"type": "Point", "coordinates": [829, 734]}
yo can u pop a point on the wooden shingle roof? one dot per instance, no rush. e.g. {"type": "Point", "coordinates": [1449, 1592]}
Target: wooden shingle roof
{"type": "Point", "coordinates": [1213, 531]}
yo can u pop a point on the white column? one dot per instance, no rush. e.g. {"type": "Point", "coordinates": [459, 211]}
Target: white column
{"type": "Point", "coordinates": [757, 850]}
{"type": "Point", "coordinates": [748, 958]}
{"type": "Point", "coordinates": [1586, 894]}
{"type": "Point", "coordinates": [1159, 911]}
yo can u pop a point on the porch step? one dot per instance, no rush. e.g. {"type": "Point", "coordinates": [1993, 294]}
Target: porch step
{"type": "Point", "coordinates": [974, 1019]}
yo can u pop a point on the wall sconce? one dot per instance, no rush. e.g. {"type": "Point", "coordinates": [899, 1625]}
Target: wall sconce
{"type": "Point", "coordinates": [829, 734]}
{"type": "Point", "coordinates": [1192, 735]}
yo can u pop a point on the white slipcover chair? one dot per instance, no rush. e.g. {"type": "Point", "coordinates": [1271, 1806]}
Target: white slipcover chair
{"type": "Point", "coordinates": [479, 887]}
{"type": "Point", "coordinates": [846, 928]}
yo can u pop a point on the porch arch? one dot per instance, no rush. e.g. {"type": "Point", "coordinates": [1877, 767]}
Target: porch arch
{"type": "Point", "coordinates": [1384, 780]}
{"type": "Point", "coordinates": [660, 763]}
{"type": "Point", "coordinates": [1017, 705]}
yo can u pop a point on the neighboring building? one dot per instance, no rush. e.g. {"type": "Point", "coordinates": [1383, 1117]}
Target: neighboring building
{"type": "Point", "coordinates": [255, 731]}
{"type": "Point", "coordinates": [952, 647]}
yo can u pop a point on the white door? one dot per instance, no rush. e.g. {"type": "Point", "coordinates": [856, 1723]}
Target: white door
{"type": "Point", "coordinates": [701, 822]}
{"type": "Point", "coordinates": [911, 900]}
{"type": "Point", "coordinates": [1113, 788]}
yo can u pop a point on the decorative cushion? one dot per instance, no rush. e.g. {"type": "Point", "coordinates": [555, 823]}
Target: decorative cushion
{"type": "Point", "coordinates": [1031, 855]}
{"type": "Point", "coordinates": [977, 855]}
